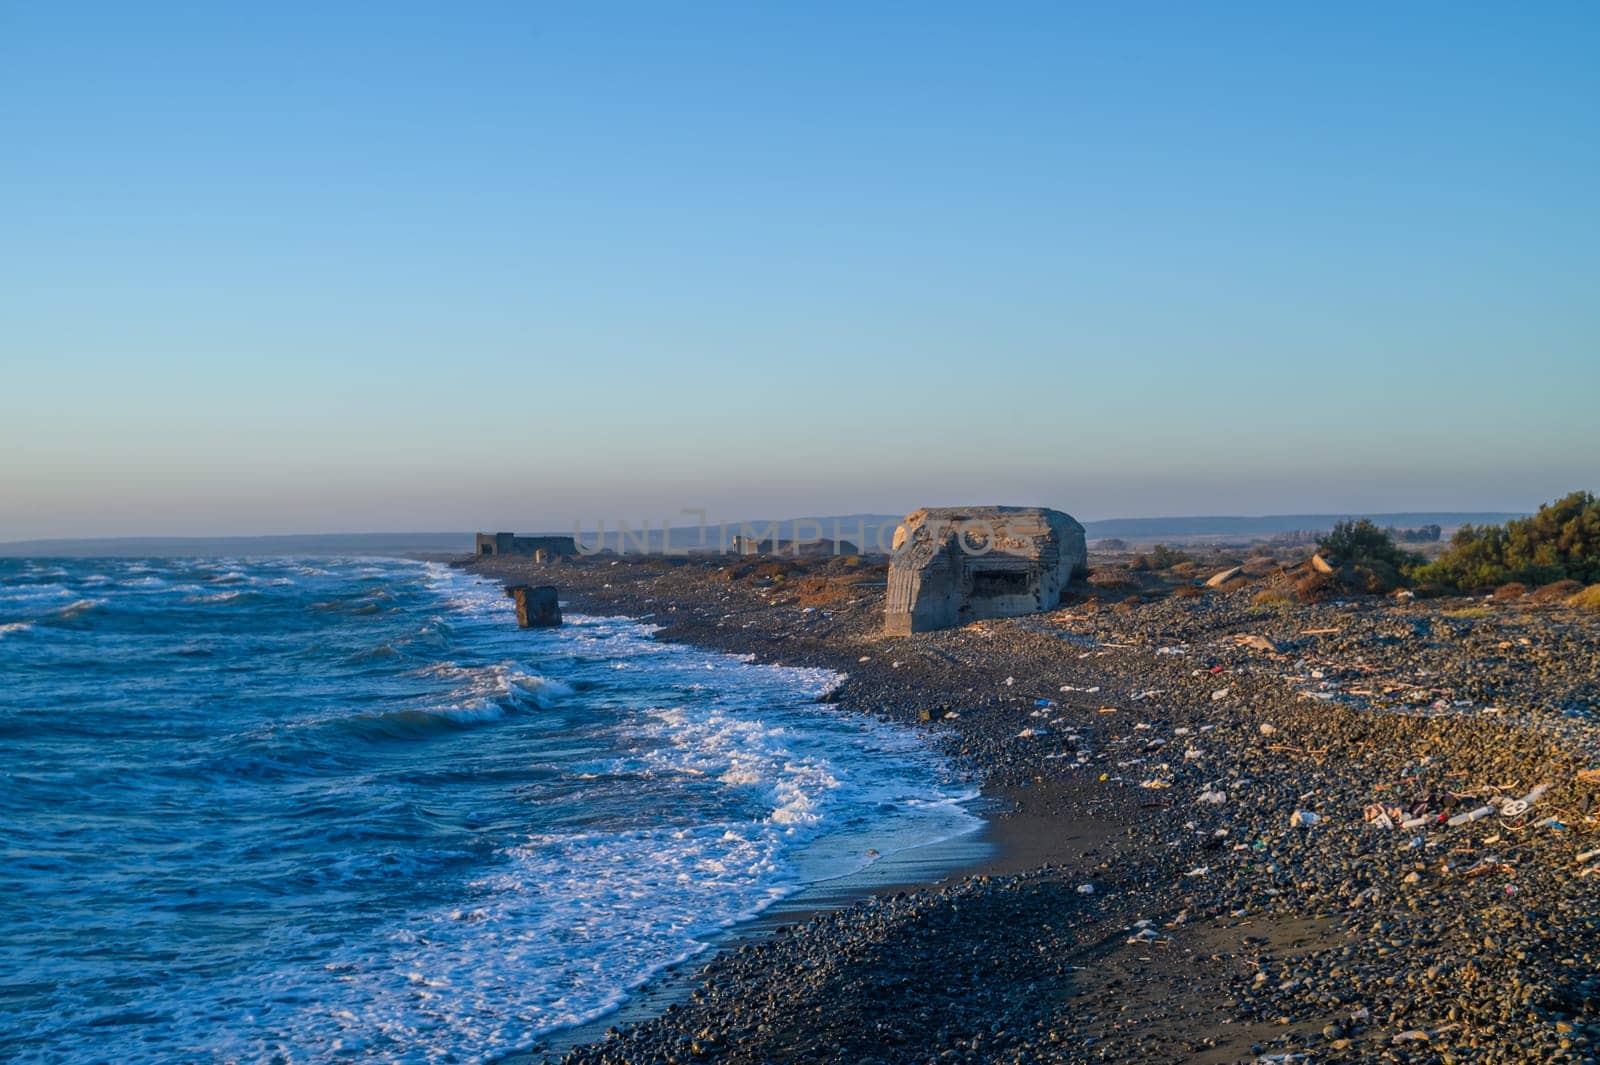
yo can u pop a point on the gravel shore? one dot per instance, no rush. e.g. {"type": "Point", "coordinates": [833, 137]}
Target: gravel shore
{"type": "Point", "coordinates": [1204, 852]}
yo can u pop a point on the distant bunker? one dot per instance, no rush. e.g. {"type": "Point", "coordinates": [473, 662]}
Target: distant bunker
{"type": "Point", "coordinates": [952, 565]}
{"type": "Point", "coordinates": [542, 548]}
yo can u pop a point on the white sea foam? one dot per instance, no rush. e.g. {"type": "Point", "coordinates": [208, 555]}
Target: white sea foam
{"type": "Point", "coordinates": [15, 626]}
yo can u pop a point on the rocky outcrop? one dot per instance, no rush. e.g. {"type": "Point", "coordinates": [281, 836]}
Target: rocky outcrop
{"type": "Point", "coordinates": [537, 608]}
{"type": "Point", "coordinates": [957, 564]}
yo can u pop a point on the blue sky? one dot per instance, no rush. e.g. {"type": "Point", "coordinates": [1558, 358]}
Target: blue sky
{"type": "Point", "coordinates": [300, 267]}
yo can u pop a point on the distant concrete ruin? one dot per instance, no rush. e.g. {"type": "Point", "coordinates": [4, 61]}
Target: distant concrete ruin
{"type": "Point", "coordinates": [953, 565]}
{"type": "Point", "coordinates": [543, 548]}
{"type": "Point", "coordinates": [537, 608]}
{"type": "Point", "coordinates": [817, 548]}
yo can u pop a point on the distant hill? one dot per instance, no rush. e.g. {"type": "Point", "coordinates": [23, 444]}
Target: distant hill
{"type": "Point", "coordinates": [1271, 524]}
{"type": "Point", "coordinates": [862, 531]}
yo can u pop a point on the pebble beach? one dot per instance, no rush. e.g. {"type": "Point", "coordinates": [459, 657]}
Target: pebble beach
{"type": "Point", "coordinates": [1223, 830]}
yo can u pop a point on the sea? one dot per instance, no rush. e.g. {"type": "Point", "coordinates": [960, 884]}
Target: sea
{"type": "Point", "coordinates": [343, 809]}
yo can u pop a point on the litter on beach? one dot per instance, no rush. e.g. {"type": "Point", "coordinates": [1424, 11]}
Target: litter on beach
{"type": "Point", "coordinates": [1471, 815]}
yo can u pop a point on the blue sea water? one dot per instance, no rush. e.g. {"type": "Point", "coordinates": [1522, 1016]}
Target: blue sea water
{"type": "Point", "coordinates": [311, 810]}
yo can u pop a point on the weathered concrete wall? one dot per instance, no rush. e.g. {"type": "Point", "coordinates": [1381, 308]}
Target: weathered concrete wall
{"type": "Point", "coordinates": [537, 608]}
{"type": "Point", "coordinates": [958, 564]}
{"type": "Point", "coordinates": [817, 548]}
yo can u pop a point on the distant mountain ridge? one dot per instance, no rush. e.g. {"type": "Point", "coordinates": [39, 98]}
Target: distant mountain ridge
{"type": "Point", "coordinates": [863, 531]}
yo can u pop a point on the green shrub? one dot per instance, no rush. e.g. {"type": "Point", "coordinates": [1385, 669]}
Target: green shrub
{"type": "Point", "coordinates": [1561, 542]}
{"type": "Point", "coordinates": [1164, 557]}
{"type": "Point", "coordinates": [1375, 577]}
{"type": "Point", "coordinates": [1363, 544]}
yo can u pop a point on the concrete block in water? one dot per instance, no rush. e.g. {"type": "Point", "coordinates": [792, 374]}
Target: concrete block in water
{"type": "Point", "coordinates": [537, 608]}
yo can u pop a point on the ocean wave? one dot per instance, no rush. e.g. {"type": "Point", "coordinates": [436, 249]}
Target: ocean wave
{"type": "Point", "coordinates": [365, 604]}
{"type": "Point", "coordinates": [75, 609]}
{"type": "Point", "coordinates": [237, 596]}
{"type": "Point", "coordinates": [419, 723]}
{"type": "Point", "coordinates": [372, 654]}
{"type": "Point", "coordinates": [15, 626]}
{"type": "Point", "coordinates": [28, 592]}
{"type": "Point", "coordinates": [489, 695]}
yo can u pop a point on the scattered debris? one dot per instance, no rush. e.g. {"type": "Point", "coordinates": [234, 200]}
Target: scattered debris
{"type": "Point", "coordinates": [1257, 643]}
{"type": "Point", "coordinates": [1217, 580]}
{"type": "Point", "coordinates": [1471, 815]}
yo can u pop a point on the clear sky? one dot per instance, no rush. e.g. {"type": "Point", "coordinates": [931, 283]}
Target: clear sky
{"type": "Point", "coordinates": [313, 267]}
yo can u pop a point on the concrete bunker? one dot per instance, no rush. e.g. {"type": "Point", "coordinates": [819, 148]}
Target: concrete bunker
{"type": "Point", "coordinates": [543, 548]}
{"type": "Point", "coordinates": [952, 565]}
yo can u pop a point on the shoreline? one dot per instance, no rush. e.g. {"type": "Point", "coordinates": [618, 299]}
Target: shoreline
{"type": "Point", "coordinates": [1142, 920]}
{"type": "Point", "coordinates": [915, 867]}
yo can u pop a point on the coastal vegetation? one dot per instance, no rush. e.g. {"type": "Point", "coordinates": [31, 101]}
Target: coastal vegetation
{"type": "Point", "coordinates": [1361, 543]}
{"type": "Point", "coordinates": [1372, 561]}
{"type": "Point", "coordinates": [1548, 557]}
{"type": "Point", "coordinates": [1560, 542]}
